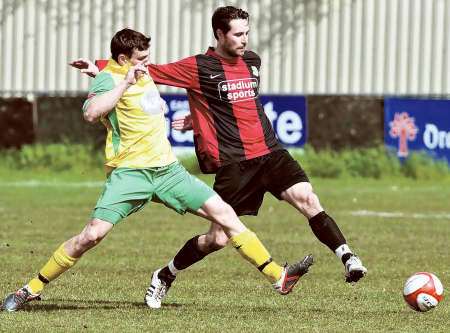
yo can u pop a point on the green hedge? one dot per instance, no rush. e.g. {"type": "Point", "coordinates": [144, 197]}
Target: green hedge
{"type": "Point", "coordinates": [52, 157]}
{"type": "Point", "coordinates": [365, 162]}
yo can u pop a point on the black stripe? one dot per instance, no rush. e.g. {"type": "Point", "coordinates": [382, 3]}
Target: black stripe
{"type": "Point", "coordinates": [43, 279]}
{"type": "Point", "coordinates": [272, 143]}
{"type": "Point", "coordinates": [210, 74]}
{"type": "Point", "coordinates": [260, 268]}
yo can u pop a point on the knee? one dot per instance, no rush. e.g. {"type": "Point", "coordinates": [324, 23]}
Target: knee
{"type": "Point", "coordinates": [312, 200]}
{"type": "Point", "coordinates": [90, 236]}
{"type": "Point", "coordinates": [304, 195]}
{"type": "Point", "coordinates": [304, 198]}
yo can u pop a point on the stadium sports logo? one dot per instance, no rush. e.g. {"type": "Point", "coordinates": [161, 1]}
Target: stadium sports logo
{"type": "Point", "coordinates": [403, 127]}
{"type": "Point", "coordinates": [238, 90]}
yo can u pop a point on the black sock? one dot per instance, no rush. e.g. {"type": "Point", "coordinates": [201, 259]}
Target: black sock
{"type": "Point", "coordinates": [327, 231]}
{"type": "Point", "coordinates": [188, 255]}
{"type": "Point", "coordinates": [166, 275]}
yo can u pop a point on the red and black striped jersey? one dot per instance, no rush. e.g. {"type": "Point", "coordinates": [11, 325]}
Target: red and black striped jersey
{"type": "Point", "coordinates": [228, 118]}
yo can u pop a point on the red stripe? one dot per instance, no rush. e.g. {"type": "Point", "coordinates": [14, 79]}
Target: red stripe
{"type": "Point", "coordinates": [203, 121]}
{"type": "Point", "coordinates": [246, 114]}
{"type": "Point", "coordinates": [101, 64]}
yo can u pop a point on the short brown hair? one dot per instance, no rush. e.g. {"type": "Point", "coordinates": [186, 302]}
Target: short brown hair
{"type": "Point", "coordinates": [126, 40]}
{"type": "Point", "coordinates": [223, 15]}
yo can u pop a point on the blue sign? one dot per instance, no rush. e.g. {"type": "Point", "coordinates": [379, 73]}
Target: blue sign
{"type": "Point", "coordinates": [417, 124]}
{"type": "Point", "coordinates": [286, 113]}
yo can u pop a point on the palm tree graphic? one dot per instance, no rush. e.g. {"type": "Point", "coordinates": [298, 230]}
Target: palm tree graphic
{"type": "Point", "coordinates": [404, 128]}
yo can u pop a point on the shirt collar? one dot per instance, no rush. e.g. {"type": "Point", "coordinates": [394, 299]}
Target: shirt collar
{"type": "Point", "coordinates": [212, 52]}
{"type": "Point", "coordinates": [116, 68]}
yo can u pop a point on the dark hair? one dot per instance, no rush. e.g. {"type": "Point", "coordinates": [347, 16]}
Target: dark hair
{"type": "Point", "coordinates": [126, 40]}
{"type": "Point", "coordinates": [223, 15]}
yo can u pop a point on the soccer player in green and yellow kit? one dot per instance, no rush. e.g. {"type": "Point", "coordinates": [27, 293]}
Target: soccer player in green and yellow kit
{"type": "Point", "coordinates": [142, 167]}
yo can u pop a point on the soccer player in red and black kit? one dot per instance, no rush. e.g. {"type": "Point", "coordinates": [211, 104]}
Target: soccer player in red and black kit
{"type": "Point", "coordinates": [234, 139]}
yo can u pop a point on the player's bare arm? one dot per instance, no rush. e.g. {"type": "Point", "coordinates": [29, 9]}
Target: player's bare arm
{"type": "Point", "coordinates": [100, 106]}
{"type": "Point", "coordinates": [88, 67]}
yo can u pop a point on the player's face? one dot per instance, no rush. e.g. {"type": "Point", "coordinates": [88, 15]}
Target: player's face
{"type": "Point", "coordinates": [236, 40]}
{"type": "Point", "coordinates": [139, 57]}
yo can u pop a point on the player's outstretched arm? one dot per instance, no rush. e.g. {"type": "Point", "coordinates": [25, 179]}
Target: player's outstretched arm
{"type": "Point", "coordinates": [183, 124]}
{"type": "Point", "coordinates": [85, 66]}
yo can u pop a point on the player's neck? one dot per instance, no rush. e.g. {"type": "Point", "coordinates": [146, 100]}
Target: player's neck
{"type": "Point", "coordinates": [223, 54]}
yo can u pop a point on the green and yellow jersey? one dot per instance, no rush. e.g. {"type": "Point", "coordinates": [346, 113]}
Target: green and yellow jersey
{"type": "Point", "coordinates": [136, 127]}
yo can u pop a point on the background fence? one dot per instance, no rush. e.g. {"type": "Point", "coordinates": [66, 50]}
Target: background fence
{"type": "Point", "coordinates": [375, 47]}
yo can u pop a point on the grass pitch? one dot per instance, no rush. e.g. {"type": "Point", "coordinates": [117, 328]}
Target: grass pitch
{"type": "Point", "coordinates": [397, 227]}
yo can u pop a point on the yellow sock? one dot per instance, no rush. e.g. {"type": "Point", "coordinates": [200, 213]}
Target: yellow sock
{"type": "Point", "coordinates": [36, 285]}
{"type": "Point", "coordinates": [251, 248]}
{"type": "Point", "coordinates": [58, 263]}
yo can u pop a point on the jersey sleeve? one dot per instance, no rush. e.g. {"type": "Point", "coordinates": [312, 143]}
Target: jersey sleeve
{"type": "Point", "coordinates": [102, 83]}
{"type": "Point", "coordinates": [101, 63]}
{"type": "Point", "coordinates": [180, 74]}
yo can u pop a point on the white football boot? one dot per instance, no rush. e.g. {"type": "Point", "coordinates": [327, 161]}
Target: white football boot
{"type": "Point", "coordinates": [156, 292]}
{"type": "Point", "coordinates": [354, 269]}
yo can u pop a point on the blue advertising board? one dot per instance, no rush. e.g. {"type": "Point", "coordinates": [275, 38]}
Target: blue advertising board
{"type": "Point", "coordinates": [286, 113]}
{"type": "Point", "coordinates": [417, 124]}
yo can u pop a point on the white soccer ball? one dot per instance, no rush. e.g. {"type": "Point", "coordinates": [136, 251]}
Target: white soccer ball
{"type": "Point", "coordinates": [423, 291]}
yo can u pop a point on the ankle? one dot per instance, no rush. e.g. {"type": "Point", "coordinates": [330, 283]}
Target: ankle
{"type": "Point", "coordinates": [165, 275]}
{"type": "Point", "coordinates": [346, 256]}
{"type": "Point", "coordinates": [343, 252]}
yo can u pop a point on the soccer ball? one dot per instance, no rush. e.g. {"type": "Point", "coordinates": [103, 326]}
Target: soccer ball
{"type": "Point", "coordinates": [423, 291]}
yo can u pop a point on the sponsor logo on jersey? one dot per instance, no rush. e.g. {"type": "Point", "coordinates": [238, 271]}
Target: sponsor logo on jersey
{"type": "Point", "coordinates": [255, 71]}
{"type": "Point", "coordinates": [150, 102]}
{"type": "Point", "coordinates": [238, 90]}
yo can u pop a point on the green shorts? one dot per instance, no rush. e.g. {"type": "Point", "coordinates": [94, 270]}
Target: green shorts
{"type": "Point", "coordinates": [127, 190]}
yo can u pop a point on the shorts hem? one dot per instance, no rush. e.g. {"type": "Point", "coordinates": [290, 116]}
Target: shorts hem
{"type": "Point", "coordinates": [107, 215]}
{"type": "Point", "coordinates": [200, 203]}
{"type": "Point", "coordinates": [247, 212]}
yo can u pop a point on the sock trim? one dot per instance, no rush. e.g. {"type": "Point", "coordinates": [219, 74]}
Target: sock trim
{"type": "Point", "coordinates": [318, 217]}
{"type": "Point", "coordinates": [43, 278]}
{"type": "Point", "coordinates": [173, 270]}
{"type": "Point", "coordinates": [341, 250]}
{"type": "Point", "coordinates": [261, 267]}
{"type": "Point", "coordinates": [63, 259]}
{"type": "Point", "coordinates": [243, 237]}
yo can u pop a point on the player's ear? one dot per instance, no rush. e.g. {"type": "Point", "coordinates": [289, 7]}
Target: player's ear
{"type": "Point", "coordinates": [220, 35]}
{"type": "Point", "coordinates": [122, 59]}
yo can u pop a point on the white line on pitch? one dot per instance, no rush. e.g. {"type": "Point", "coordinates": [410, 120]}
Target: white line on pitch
{"type": "Point", "coordinates": [38, 183]}
{"type": "Point", "coordinates": [401, 214]}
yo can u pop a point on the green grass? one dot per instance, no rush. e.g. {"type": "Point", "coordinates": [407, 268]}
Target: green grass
{"type": "Point", "coordinates": [104, 291]}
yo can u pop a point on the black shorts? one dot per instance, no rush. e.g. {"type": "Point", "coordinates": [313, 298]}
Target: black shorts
{"type": "Point", "coordinates": [243, 184]}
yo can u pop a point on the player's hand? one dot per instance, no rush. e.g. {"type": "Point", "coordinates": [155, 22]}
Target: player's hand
{"type": "Point", "coordinates": [85, 66]}
{"type": "Point", "coordinates": [183, 124]}
{"type": "Point", "coordinates": [135, 73]}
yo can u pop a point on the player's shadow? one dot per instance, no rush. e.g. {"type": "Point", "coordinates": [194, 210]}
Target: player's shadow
{"type": "Point", "coordinates": [67, 304]}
